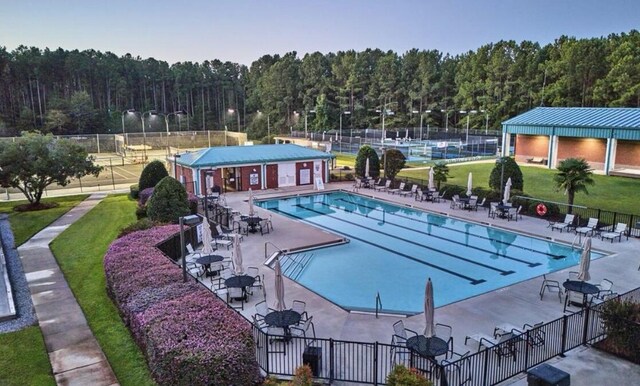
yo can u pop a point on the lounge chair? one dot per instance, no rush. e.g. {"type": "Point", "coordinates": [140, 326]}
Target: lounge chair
{"type": "Point", "coordinates": [548, 284]}
{"type": "Point", "coordinates": [566, 224]}
{"type": "Point", "coordinates": [411, 192]}
{"type": "Point", "coordinates": [589, 228]}
{"type": "Point", "coordinates": [397, 190]}
{"type": "Point", "coordinates": [383, 187]}
{"type": "Point", "coordinates": [619, 230]}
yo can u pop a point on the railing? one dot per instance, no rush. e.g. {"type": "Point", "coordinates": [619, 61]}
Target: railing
{"type": "Point", "coordinates": [378, 304]}
{"type": "Point", "coordinates": [370, 363]}
{"type": "Point", "coordinates": [267, 243]}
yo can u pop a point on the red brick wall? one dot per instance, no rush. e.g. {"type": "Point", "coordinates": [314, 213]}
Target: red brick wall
{"type": "Point", "coordinates": [627, 154]}
{"type": "Point", "coordinates": [217, 178]}
{"type": "Point", "coordinates": [272, 176]}
{"type": "Point", "coordinates": [591, 149]}
{"type": "Point", "coordinates": [245, 174]}
{"type": "Point", "coordinates": [300, 166]}
{"type": "Point", "coordinates": [529, 146]}
{"type": "Point", "coordinates": [187, 173]}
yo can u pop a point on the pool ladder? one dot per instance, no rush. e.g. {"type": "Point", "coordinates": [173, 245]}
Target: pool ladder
{"type": "Point", "coordinates": [378, 304]}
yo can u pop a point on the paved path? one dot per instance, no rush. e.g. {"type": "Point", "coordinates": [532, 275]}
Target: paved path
{"type": "Point", "coordinates": [76, 358]}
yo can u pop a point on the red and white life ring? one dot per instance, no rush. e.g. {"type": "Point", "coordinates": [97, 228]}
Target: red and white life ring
{"type": "Point", "coordinates": [541, 209]}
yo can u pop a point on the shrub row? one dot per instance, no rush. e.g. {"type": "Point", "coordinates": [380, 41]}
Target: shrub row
{"type": "Point", "coordinates": [187, 334]}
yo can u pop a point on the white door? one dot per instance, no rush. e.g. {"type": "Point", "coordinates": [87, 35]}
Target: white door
{"type": "Point", "coordinates": [286, 175]}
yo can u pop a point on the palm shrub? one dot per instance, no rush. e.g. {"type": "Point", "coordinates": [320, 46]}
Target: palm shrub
{"type": "Point", "coordinates": [153, 173]}
{"type": "Point", "coordinates": [168, 202]}
{"type": "Point", "coordinates": [365, 152]}
{"type": "Point", "coordinates": [574, 174]}
{"type": "Point", "coordinates": [440, 173]}
{"type": "Point", "coordinates": [511, 170]}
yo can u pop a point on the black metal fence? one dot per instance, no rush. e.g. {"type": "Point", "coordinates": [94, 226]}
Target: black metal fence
{"type": "Point", "coordinates": [370, 363]}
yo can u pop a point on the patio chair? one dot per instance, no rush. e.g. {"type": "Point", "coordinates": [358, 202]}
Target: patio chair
{"type": "Point", "coordinates": [411, 192]}
{"type": "Point", "coordinates": [420, 195]}
{"type": "Point", "coordinates": [589, 228]}
{"type": "Point", "coordinates": [499, 344]}
{"type": "Point", "coordinates": [619, 230]}
{"type": "Point", "coordinates": [550, 285]}
{"type": "Point", "coordinates": [269, 222]}
{"type": "Point", "coordinates": [455, 202]}
{"type": "Point", "coordinates": [573, 275]}
{"type": "Point", "coordinates": [566, 224]}
{"type": "Point", "coordinates": [254, 273]}
{"type": "Point", "coordinates": [458, 368]}
{"type": "Point", "coordinates": [399, 189]}
{"type": "Point", "coordinates": [381, 188]}
{"type": "Point", "coordinates": [535, 335]}
{"type": "Point", "coordinates": [357, 184]}
{"type": "Point", "coordinates": [472, 204]}
{"type": "Point", "coordinates": [190, 258]}
{"type": "Point", "coordinates": [493, 210]}
{"type": "Point", "coordinates": [302, 330]}
{"type": "Point", "coordinates": [263, 225]}
{"type": "Point", "coordinates": [227, 234]}
{"type": "Point", "coordinates": [481, 203]}
{"type": "Point", "coordinates": [299, 307]}
{"type": "Point", "coordinates": [400, 352]}
{"type": "Point", "coordinates": [435, 197]}
{"type": "Point", "coordinates": [576, 299]}
{"type": "Point", "coordinates": [444, 332]}
{"type": "Point", "coordinates": [604, 289]}
{"type": "Point", "coordinates": [512, 214]}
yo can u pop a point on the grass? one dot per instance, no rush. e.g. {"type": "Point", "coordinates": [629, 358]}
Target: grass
{"type": "Point", "coordinates": [27, 224]}
{"type": "Point", "coordinates": [609, 192]}
{"type": "Point", "coordinates": [24, 360]}
{"type": "Point", "coordinates": [80, 255]}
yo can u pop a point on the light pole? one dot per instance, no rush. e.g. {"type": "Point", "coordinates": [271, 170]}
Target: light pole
{"type": "Point", "coordinates": [166, 121]}
{"type": "Point", "coordinates": [175, 165]}
{"type": "Point", "coordinates": [385, 112]}
{"type": "Point", "coordinates": [126, 112]}
{"type": "Point", "coordinates": [306, 135]}
{"type": "Point", "coordinates": [501, 160]}
{"type": "Point", "coordinates": [466, 141]}
{"type": "Point", "coordinates": [446, 127]}
{"type": "Point", "coordinates": [384, 161]}
{"type": "Point", "coordinates": [185, 220]}
{"type": "Point", "coordinates": [231, 112]}
{"type": "Point", "coordinates": [268, 127]}
{"type": "Point", "coordinates": [486, 122]}
{"type": "Point", "coordinates": [144, 133]}
{"type": "Point", "coordinates": [347, 112]}
{"type": "Point", "coordinates": [207, 174]}
{"type": "Point", "coordinates": [421, 117]}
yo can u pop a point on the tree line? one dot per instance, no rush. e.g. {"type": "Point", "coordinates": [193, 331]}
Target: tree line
{"type": "Point", "coordinates": [87, 92]}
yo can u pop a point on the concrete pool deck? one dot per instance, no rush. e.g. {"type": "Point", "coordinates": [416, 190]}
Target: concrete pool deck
{"type": "Point", "coordinates": [516, 304]}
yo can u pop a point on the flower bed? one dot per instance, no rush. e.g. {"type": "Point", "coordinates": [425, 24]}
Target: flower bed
{"type": "Point", "coordinates": [187, 334]}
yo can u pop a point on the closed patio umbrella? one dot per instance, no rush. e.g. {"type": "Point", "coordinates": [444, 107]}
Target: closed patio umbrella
{"type": "Point", "coordinates": [251, 211]}
{"type": "Point", "coordinates": [469, 184]}
{"type": "Point", "coordinates": [585, 261]}
{"type": "Point", "coordinates": [279, 306]}
{"type": "Point", "coordinates": [237, 255]}
{"type": "Point", "coordinates": [507, 191]}
{"type": "Point", "coordinates": [432, 184]}
{"type": "Point", "coordinates": [207, 248]}
{"type": "Point", "coordinates": [366, 168]}
{"type": "Point", "coordinates": [429, 328]}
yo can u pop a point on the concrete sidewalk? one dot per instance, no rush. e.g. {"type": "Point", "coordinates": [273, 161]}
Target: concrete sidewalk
{"type": "Point", "coordinates": [76, 358]}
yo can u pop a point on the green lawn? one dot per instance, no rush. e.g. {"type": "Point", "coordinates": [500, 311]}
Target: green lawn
{"type": "Point", "coordinates": [27, 224]}
{"type": "Point", "coordinates": [79, 251]}
{"type": "Point", "coordinates": [24, 360]}
{"type": "Point", "coordinates": [609, 193]}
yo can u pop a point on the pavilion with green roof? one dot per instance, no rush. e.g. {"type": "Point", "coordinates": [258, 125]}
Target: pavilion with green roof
{"type": "Point", "coordinates": [608, 138]}
{"type": "Point", "coordinates": [239, 168]}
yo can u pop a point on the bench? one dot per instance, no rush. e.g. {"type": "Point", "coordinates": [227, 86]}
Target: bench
{"type": "Point", "coordinates": [537, 160]}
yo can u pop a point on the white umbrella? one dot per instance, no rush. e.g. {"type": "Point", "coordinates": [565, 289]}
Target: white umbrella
{"type": "Point", "coordinates": [585, 260]}
{"type": "Point", "coordinates": [280, 306]}
{"type": "Point", "coordinates": [237, 255]}
{"type": "Point", "coordinates": [429, 328]}
{"type": "Point", "coordinates": [251, 211]}
{"type": "Point", "coordinates": [207, 248]}
{"type": "Point", "coordinates": [507, 191]}
{"type": "Point", "coordinates": [469, 184]}
{"type": "Point", "coordinates": [366, 168]}
{"type": "Point", "coordinates": [406, 134]}
{"type": "Point", "coordinates": [432, 184]}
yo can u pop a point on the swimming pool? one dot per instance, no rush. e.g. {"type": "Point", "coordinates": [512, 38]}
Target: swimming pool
{"type": "Point", "coordinates": [394, 248]}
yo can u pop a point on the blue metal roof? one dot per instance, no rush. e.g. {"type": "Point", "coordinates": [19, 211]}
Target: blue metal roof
{"type": "Point", "coordinates": [579, 117]}
{"type": "Point", "coordinates": [250, 155]}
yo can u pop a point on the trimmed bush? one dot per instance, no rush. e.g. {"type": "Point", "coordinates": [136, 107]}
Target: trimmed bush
{"type": "Point", "coordinates": [365, 152]}
{"type": "Point", "coordinates": [168, 202]}
{"type": "Point", "coordinates": [188, 335]}
{"type": "Point", "coordinates": [402, 376]}
{"type": "Point", "coordinates": [511, 170]}
{"type": "Point", "coordinates": [622, 322]}
{"type": "Point", "coordinates": [151, 175]}
{"type": "Point", "coordinates": [134, 191]}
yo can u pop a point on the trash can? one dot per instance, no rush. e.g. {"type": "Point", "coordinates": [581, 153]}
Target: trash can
{"type": "Point", "coordinates": [312, 356]}
{"type": "Point", "coordinates": [547, 375]}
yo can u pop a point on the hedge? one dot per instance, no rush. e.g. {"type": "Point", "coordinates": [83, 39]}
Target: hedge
{"type": "Point", "coordinates": [188, 335]}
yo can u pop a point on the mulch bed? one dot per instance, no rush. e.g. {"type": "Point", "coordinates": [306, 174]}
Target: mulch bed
{"type": "Point", "coordinates": [35, 207]}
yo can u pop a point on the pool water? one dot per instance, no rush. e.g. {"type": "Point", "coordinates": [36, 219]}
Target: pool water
{"type": "Point", "coordinates": [393, 249]}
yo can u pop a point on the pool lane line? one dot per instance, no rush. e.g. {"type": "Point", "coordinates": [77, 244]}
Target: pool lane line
{"type": "Point", "coordinates": [470, 279]}
{"type": "Point", "coordinates": [502, 272]}
{"type": "Point", "coordinates": [556, 257]}
{"type": "Point", "coordinates": [526, 262]}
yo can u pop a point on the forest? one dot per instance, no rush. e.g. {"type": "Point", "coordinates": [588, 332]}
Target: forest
{"type": "Point", "coordinates": [88, 92]}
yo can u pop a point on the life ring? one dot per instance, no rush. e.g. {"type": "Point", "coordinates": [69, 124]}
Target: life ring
{"type": "Point", "coordinates": [541, 209]}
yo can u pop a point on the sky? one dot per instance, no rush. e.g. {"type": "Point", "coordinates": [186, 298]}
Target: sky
{"type": "Point", "coordinates": [242, 31]}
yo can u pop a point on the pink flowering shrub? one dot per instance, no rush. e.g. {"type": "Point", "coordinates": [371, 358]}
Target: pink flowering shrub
{"type": "Point", "coordinates": [188, 335]}
{"type": "Point", "coordinates": [144, 196]}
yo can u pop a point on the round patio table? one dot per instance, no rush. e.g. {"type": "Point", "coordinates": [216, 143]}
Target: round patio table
{"type": "Point", "coordinates": [579, 286]}
{"type": "Point", "coordinates": [240, 281]}
{"type": "Point", "coordinates": [283, 319]}
{"type": "Point", "coordinates": [427, 347]}
{"type": "Point", "coordinates": [206, 261]}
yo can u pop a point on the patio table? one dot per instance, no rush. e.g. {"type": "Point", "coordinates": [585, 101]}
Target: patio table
{"type": "Point", "coordinates": [240, 281]}
{"type": "Point", "coordinates": [579, 286]}
{"type": "Point", "coordinates": [252, 222]}
{"type": "Point", "coordinates": [427, 347]}
{"type": "Point", "coordinates": [283, 319]}
{"type": "Point", "coordinates": [206, 261]}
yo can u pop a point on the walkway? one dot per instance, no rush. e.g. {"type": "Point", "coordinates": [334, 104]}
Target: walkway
{"type": "Point", "coordinates": [76, 358]}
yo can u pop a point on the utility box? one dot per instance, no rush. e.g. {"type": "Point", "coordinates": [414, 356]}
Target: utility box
{"type": "Point", "coordinates": [312, 356]}
{"type": "Point", "coordinates": [547, 375]}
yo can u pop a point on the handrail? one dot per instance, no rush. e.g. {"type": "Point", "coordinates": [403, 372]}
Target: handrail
{"type": "Point", "coordinates": [275, 246]}
{"type": "Point", "coordinates": [378, 303]}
